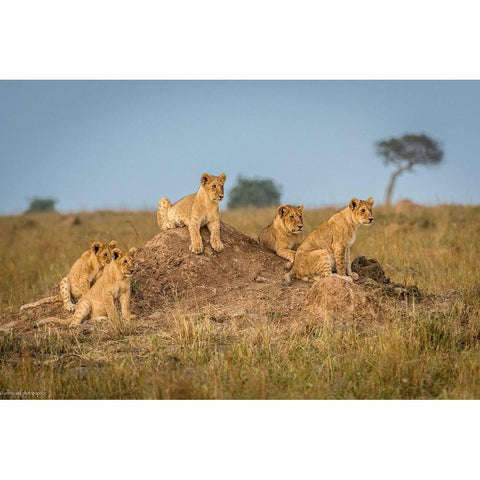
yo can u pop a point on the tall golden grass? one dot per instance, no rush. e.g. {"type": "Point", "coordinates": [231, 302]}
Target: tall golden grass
{"type": "Point", "coordinates": [413, 354]}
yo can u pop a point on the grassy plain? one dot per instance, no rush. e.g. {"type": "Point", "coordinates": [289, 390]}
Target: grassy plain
{"type": "Point", "coordinates": [417, 354]}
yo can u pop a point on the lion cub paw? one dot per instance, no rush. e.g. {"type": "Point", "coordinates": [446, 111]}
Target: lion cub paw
{"type": "Point", "coordinates": [70, 307]}
{"type": "Point", "coordinates": [217, 246]}
{"type": "Point", "coordinates": [354, 275]}
{"type": "Point", "coordinates": [290, 257]}
{"type": "Point", "coordinates": [197, 248]}
{"type": "Point", "coordinates": [343, 277]}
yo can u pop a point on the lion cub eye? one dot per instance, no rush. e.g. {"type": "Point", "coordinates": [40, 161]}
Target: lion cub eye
{"type": "Point", "coordinates": [363, 210]}
{"type": "Point", "coordinates": [125, 262]}
{"type": "Point", "coordinates": [214, 187]}
{"type": "Point", "coordinates": [292, 217]}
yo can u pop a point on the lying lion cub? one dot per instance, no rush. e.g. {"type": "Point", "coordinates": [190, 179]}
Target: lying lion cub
{"type": "Point", "coordinates": [284, 234]}
{"type": "Point", "coordinates": [83, 274]}
{"type": "Point", "coordinates": [99, 301]}
{"type": "Point", "coordinates": [328, 246]}
{"type": "Point", "coordinates": [196, 211]}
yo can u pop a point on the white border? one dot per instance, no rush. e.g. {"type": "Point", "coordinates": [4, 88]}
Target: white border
{"type": "Point", "coordinates": [239, 439]}
{"type": "Point", "coordinates": [217, 39]}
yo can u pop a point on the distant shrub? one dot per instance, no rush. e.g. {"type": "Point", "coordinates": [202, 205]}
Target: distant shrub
{"type": "Point", "coordinates": [38, 205]}
{"type": "Point", "coordinates": [255, 192]}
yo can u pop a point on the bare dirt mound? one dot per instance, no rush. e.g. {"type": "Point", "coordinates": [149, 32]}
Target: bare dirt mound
{"type": "Point", "coordinates": [371, 275]}
{"type": "Point", "coordinates": [245, 279]}
{"type": "Point", "coordinates": [333, 298]}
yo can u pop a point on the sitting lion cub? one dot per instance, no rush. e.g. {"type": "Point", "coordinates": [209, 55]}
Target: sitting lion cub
{"type": "Point", "coordinates": [196, 211]}
{"type": "Point", "coordinates": [84, 272]}
{"type": "Point", "coordinates": [284, 234]}
{"type": "Point", "coordinates": [99, 301]}
{"type": "Point", "coordinates": [328, 246]}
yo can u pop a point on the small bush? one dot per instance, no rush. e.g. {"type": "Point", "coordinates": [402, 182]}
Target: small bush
{"type": "Point", "coordinates": [255, 192]}
{"type": "Point", "coordinates": [38, 205]}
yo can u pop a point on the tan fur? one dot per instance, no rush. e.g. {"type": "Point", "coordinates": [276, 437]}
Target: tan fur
{"type": "Point", "coordinates": [195, 211]}
{"type": "Point", "coordinates": [99, 302]}
{"type": "Point", "coordinates": [328, 246]}
{"type": "Point", "coordinates": [83, 274]}
{"type": "Point", "coordinates": [284, 234]}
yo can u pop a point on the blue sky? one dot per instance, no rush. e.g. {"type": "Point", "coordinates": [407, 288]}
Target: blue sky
{"type": "Point", "coordinates": [125, 144]}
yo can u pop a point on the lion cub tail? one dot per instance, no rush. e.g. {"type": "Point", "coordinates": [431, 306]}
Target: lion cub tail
{"type": "Point", "coordinates": [164, 205]}
{"type": "Point", "coordinates": [28, 306]}
{"type": "Point", "coordinates": [61, 321]}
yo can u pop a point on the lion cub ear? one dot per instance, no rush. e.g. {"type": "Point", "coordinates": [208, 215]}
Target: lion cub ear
{"type": "Point", "coordinates": [113, 244]}
{"type": "Point", "coordinates": [370, 201]}
{"type": "Point", "coordinates": [116, 253]}
{"type": "Point", "coordinates": [300, 207]}
{"type": "Point", "coordinates": [96, 246]}
{"type": "Point", "coordinates": [132, 251]}
{"type": "Point", "coordinates": [282, 210]}
{"type": "Point", "coordinates": [353, 203]}
{"type": "Point", "coordinates": [222, 178]}
{"type": "Point", "coordinates": [205, 178]}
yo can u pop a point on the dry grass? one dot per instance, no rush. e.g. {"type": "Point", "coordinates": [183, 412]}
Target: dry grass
{"type": "Point", "coordinates": [411, 353]}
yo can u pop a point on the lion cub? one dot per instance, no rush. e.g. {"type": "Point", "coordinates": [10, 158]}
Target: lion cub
{"type": "Point", "coordinates": [284, 234]}
{"type": "Point", "coordinates": [99, 301]}
{"type": "Point", "coordinates": [83, 274]}
{"type": "Point", "coordinates": [196, 211]}
{"type": "Point", "coordinates": [328, 246]}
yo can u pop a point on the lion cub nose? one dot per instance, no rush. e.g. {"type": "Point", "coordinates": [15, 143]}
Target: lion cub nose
{"type": "Point", "coordinates": [300, 227]}
{"type": "Point", "coordinates": [370, 219]}
{"type": "Point", "coordinates": [221, 196]}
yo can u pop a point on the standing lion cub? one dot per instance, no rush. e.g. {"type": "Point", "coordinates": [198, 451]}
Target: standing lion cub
{"type": "Point", "coordinates": [196, 211]}
{"type": "Point", "coordinates": [328, 246]}
{"type": "Point", "coordinates": [284, 234]}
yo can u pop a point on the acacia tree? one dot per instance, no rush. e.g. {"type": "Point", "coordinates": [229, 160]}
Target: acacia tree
{"type": "Point", "coordinates": [405, 153]}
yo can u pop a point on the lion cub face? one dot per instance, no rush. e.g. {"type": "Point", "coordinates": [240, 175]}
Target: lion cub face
{"type": "Point", "coordinates": [103, 253]}
{"type": "Point", "coordinates": [124, 261]}
{"type": "Point", "coordinates": [362, 210]}
{"type": "Point", "coordinates": [292, 217]}
{"type": "Point", "coordinates": [213, 186]}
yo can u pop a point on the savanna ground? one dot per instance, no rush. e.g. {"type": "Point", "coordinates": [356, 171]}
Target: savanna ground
{"type": "Point", "coordinates": [407, 352]}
